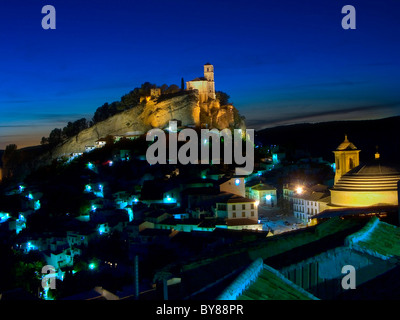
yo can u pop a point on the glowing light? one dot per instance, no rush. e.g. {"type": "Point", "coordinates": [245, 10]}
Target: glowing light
{"type": "Point", "coordinates": [90, 165]}
{"type": "Point", "coordinates": [92, 266]}
{"type": "Point", "coordinates": [257, 203]}
{"type": "Point", "coordinates": [4, 217]}
{"type": "Point", "coordinates": [299, 190]}
{"type": "Point", "coordinates": [88, 188]}
{"type": "Point", "coordinates": [94, 208]}
{"type": "Point", "coordinates": [130, 214]}
{"type": "Point", "coordinates": [30, 196]}
{"type": "Point", "coordinates": [135, 200]}
{"type": "Point", "coordinates": [36, 205]}
{"type": "Point", "coordinates": [237, 182]}
{"type": "Point", "coordinates": [29, 247]}
{"type": "Point", "coordinates": [268, 197]}
{"type": "Point", "coordinates": [169, 199]}
{"type": "Point", "coordinates": [102, 229]}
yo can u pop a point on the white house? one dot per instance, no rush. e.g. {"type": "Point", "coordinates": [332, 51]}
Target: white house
{"type": "Point", "coordinates": [236, 207]}
{"type": "Point", "coordinates": [307, 202]}
{"type": "Point", "coordinates": [264, 194]}
{"type": "Point", "coordinates": [63, 257]}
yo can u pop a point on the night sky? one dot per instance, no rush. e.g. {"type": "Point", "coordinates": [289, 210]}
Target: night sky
{"type": "Point", "coordinates": [282, 62]}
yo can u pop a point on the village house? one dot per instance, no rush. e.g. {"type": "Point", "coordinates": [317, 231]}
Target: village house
{"type": "Point", "coordinates": [264, 193]}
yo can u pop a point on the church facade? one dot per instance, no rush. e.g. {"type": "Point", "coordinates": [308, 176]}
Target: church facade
{"type": "Point", "coordinates": [205, 85]}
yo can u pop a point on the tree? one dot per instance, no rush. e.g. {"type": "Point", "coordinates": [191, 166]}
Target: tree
{"type": "Point", "coordinates": [222, 97]}
{"type": "Point", "coordinates": [173, 88]}
{"type": "Point", "coordinates": [27, 271]}
{"type": "Point", "coordinates": [182, 84]}
{"type": "Point", "coordinates": [44, 141]}
{"type": "Point", "coordinates": [9, 152]}
{"type": "Point", "coordinates": [10, 149]}
{"type": "Point", "coordinates": [131, 99]}
{"type": "Point", "coordinates": [9, 159]}
{"type": "Point", "coordinates": [145, 88]}
{"type": "Point", "coordinates": [101, 113]}
{"type": "Point", "coordinates": [164, 88]}
{"type": "Point", "coordinates": [55, 137]}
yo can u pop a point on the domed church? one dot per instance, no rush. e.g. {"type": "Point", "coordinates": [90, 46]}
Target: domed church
{"type": "Point", "coordinates": [373, 183]}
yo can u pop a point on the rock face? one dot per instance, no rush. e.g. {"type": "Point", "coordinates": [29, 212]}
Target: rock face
{"type": "Point", "coordinates": [184, 107]}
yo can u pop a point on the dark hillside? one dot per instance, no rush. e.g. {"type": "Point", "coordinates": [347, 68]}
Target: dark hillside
{"type": "Point", "coordinates": [320, 139]}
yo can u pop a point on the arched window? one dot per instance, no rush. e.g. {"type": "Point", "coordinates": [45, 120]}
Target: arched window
{"type": "Point", "coordinates": [351, 163]}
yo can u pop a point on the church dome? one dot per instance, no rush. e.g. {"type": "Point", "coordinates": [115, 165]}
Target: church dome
{"type": "Point", "coordinates": [373, 176]}
{"type": "Point", "coordinates": [371, 184]}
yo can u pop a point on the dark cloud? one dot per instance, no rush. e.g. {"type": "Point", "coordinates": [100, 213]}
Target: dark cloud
{"type": "Point", "coordinates": [333, 114]}
{"type": "Point", "coordinates": [11, 101]}
{"type": "Point", "coordinates": [330, 84]}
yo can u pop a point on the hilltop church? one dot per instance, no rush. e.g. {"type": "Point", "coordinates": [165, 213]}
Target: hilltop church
{"type": "Point", "coordinates": [205, 85]}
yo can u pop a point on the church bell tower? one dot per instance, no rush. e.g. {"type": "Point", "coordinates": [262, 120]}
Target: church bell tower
{"type": "Point", "coordinates": [346, 158]}
{"type": "Point", "coordinates": [209, 76]}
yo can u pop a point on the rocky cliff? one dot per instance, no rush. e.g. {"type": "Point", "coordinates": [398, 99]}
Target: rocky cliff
{"type": "Point", "coordinates": [183, 106]}
{"type": "Point", "coordinates": [156, 113]}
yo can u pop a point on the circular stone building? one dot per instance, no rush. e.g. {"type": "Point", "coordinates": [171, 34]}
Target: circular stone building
{"type": "Point", "coordinates": [374, 183]}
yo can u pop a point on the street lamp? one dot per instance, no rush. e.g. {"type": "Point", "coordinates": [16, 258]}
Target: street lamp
{"type": "Point", "coordinates": [299, 190]}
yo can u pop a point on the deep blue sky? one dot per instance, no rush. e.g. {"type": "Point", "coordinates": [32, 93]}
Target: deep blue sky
{"type": "Point", "coordinates": [281, 62]}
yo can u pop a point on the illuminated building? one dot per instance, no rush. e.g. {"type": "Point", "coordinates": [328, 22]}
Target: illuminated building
{"type": "Point", "coordinates": [100, 143]}
{"type": "Point", "coordinates": [346, 158]}
{"type": "Point", "coordinates": [373, 183]}
{"type": "Point", "coordinates": [263, 193]}
{"type": "Point", "coordinates": [307, 202]}
{"type": "Point", "coordinates": [237, 207]}
{"type": "Point", "coordinates": [235, 185]}
{"type": "Point", "coordinates": [205, 85]}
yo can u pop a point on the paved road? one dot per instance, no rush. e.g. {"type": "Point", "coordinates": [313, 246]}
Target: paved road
{"type": "Point", "coordinates": [277, 220]}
